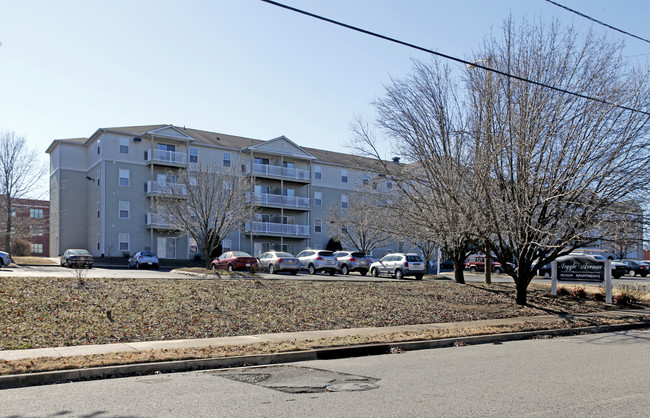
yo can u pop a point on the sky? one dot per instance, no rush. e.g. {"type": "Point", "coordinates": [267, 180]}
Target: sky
{"type": "Point", "coordinates": [242, 67]}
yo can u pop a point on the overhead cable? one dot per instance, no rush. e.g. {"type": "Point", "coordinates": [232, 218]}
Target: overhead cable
{"type": "Point", "coordinates": [452, 58]}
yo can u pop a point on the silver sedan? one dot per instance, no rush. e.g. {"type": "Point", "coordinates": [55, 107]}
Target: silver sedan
{"type": "Point", "coordinates": [276, 261]}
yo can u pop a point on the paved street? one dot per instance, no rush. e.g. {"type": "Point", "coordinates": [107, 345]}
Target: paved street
{"type": "Point", "coordinates": [589, 375]}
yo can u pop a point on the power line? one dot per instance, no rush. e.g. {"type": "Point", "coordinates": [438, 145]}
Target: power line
{"type": "Point", "coordinates": [449, 57]}
{"type": "Point", "coordinates": [597, 21]}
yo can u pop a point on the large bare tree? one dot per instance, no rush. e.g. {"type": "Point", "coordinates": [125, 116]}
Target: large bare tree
{"type": "Point", "coordinates": [207, 202]}
{"type": "Point", "coordinates": [362, 224]}
{"type": "Point", "coordinates": [529, 169]}
{"type": "Point", "coordinates": [21, 170]}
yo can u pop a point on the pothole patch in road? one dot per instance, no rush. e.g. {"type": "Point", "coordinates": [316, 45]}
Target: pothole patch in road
{"type": "Point", "coordinates": [292, 379]}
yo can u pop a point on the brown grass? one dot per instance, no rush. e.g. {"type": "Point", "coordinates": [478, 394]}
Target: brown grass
{"type": "Point", "coordinates": [110, 359]}
{"type": "Point", "coordinates": [35, 261]}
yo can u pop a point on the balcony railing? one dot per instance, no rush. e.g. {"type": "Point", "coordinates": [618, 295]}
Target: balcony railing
{"type": "Point", "coordinates": [155, 220]}
{"type": "Point", "coordinates": [171, 157]}
{"type": "Point", "coordinates": [276, 199]}
{"type": "Point", "coordinates": [278, 171]}
{"type": "Point", "coordinates": [275, 228]}
{"type": "Point", "coordinates": [166, 188]}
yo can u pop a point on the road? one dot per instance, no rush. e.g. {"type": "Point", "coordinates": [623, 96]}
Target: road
{"type": "Point", "coordinates": [588, 375]}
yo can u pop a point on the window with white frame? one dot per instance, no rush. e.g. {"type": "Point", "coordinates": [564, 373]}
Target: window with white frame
{"type": "Point", "coordinates": [194, 155]}
{"type": "Point", "coordinates": [98, 173]}
{"type": "Point", "coordinates": [36, 213]}
{"type": "Point", "coordinates": [36, 230]}
{"type": "Point", "coordinates": [344, 201]}
{"type": "Point", "coordinates": [318, 225]}
{"type": "Point", "coordinates": [124, 145]}
{"type": "Point", "coordinates": [193, 247]}
{"type": "Point", "coordinates": [318, 173]}
{"type": "Point", "coordinates": [226, 245]}
{"type": "Point", "coordinates": [98, 211]}
{"type": "Point", "coordinates": [98, 243]}
{"type": "Point", "coordinates": [124, 242]}
{"type": "Point", "coordinates": [344, 176]}
{"type": "Point", "coordinates": [226, 159]}
{"type": "Point", "coordinates": [318, 198]}
{"type": "Point", "coordinates": [124, 177]}
{"type": "Point", "coordinates": [37, 248]}
{"type": "Point", "coordinates": [125, 209]}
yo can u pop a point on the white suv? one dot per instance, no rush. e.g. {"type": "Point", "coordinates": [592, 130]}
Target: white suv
{"type": "Point", "coordinates": [399, 265]}
{"type": "Point", "coordinates": [318, 260]}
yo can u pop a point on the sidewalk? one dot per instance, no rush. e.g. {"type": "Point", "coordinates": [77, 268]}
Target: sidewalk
{"type": "Point", "coordinates": [86, 350]}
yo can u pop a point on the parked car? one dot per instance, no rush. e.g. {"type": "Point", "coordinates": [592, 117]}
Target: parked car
{"type": "Point", "coordinates": [76, 258]}
{"type": "Point", "coordinates": [234, 260]}
{"type": "Point", "coordinates": [276, 261]}
{"type": "Point", "coordinates": [637, 267]}
{"type": "Point", "coordinates": [348, 261]}
{"type": "Point", "coordinates": [545, 270]}
{"type": "Point", "coordinates": [318, 260]}
{"type": "Point", "coordinates": [618, 269]}
{"type": "Point", "coordinates": [477, 263]}
{"type": "Point", "coordinates": [5, 259]}
{"type": "Point", "coordinates": [399, 265]}
{"type": "Point", "coordinates": [144, 259]}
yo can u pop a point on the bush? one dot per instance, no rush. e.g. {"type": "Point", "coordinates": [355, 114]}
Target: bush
{"type": "Point", "coordinates": [579, 292]}
{"type": "Point", "coordinates": [20, 247]}
{"type": "Point", "coordinates": [563, 291]}
{"type": "Point", "coordinates": [629, 294]}
{"type": "Point", "coordinates": [601, 295]}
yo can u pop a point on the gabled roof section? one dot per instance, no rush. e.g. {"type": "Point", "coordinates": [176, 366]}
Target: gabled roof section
{"type": "Point", "coordinates": [281, 145]}
{"type": "Point", "coordinates": [170, 131]}
{"type": "Point", "coordinates": [72, 141]}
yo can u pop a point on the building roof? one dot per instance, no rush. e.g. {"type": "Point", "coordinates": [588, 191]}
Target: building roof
{"type": "Point", "coordinates": [222, 140]}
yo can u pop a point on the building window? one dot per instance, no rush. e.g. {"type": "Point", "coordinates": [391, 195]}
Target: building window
{"type": "Point", "coordinates": [226, 159]}
{"type": "Point", "coordinates": [166, 247]}
{"type": "Point", "coordinates": [97, 150]}
{"type": "Point", "coordinates": [318, 225]}
{"type": "Point", "coordinates": [344, 176]}
{"type": "Point", "coordinates": [389, 184]}
{"type": "Point", "coordinates": [193, 248]}
{"type": "Point", "coordinates": [318, 198]}
{"type": "Point", "coordinates": [36, 231]}
{"type": "Point", "coordinates": [98, 211]}
{"type": "Point", "coordinates": [124, 242]}
{"type": "Point", "coordinates": [124, 145]}
{"type": "Point", "coordinates": [226, 245]}
{"type": "Point", "coordinates": [344, 201]}
{"type": "Point", "coordinates": [125, 209]}
{"type": "Point", "coordinates": [37, 248]}
{"type": "Point", "coordinates": [36, 213]}
{"type": "Point", "coordinates": [124, 177]}
{"type": "Point", "coordinates": [98, 172]}
{"type": "Point", "coordinates": [194, 155]}
{"type": "Point", "coordinates": [318, 174]}
{"type": "Point", "coordinates": [98, 247]}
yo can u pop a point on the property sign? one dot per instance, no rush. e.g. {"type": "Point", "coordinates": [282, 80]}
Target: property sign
{"type": "Point", "coordinates": [581, 269]}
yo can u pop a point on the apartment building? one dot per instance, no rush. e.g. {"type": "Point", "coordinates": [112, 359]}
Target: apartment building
{"type": "Point", "coordinates": [102, 187]}
{"type": "Point", "coordinates": [30, 222]}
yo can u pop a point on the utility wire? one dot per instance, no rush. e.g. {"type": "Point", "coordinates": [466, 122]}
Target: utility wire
{"type": "Point", "coordinates": [597, 21]}
{"type": "Point", "coordinates": [449, 57]}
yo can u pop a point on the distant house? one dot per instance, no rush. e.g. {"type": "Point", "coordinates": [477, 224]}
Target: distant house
{"type": "Point", "coordinates": [30, 222]}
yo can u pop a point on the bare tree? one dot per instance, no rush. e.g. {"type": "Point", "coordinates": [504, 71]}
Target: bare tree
{"type": "Point", "coordinates": [623, 230]}
{"type": "Point", "coordinates": [208, 202]}
{"type": "Point", "coordinates": [21, 170]}
{"type": "Point", "coordinates": [557, 163]}
{"type": "Point", "coordinates": [530, 169]}
{"type": "Point", "coordinates": [362, 224]}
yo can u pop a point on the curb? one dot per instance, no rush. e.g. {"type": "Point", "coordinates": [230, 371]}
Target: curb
{"type": "Point", "coordinates": [73, 375]}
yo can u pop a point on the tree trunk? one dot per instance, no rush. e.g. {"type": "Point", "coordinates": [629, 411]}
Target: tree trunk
{"type": "Point", "coordinates": [522, 286]}
{"type": "Point", "coordinates": [459, 275]}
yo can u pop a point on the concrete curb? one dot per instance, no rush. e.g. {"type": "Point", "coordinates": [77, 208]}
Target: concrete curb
{"type": "Point", "coordinates": [64, 376]}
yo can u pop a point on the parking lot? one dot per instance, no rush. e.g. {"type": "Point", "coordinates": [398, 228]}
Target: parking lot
{"type": "Point", "coordinates": [119, 272]}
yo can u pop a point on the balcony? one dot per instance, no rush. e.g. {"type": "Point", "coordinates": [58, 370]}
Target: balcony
{"type": "Point", "coordinates": [169, 158]}
{"type": "Point", "coordinates": [282, 172]}
{"type": "Point", "coordinates": [267, 199]}
{"type": "Point", "coordinates": [156, 221]}
{"type": "Point", "coordinates": [158, 188]}
{"type": "Point", "coordinates": [269, 228]}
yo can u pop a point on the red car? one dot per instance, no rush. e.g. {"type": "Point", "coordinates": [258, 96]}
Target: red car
{"type": "Point", "coordinates": [234, 260]}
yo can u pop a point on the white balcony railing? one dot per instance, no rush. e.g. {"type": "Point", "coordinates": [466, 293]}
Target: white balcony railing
{"type": "Point", "coordinates": [277, 171]}
{"type": "Point", "coordinates": [154, 219]}
{"type": "Point", "coordinates": [167, 156]}
{"type": "Point", "coordinates": [166, 188]}
{"type": "Point", "coordinates": [276, 199]}
{"type": "Point", "coordinates": [275, 228]}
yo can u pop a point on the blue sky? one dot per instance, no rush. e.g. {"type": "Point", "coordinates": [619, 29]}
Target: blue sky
{"type": "Point", "coordinates": [241, 67]}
